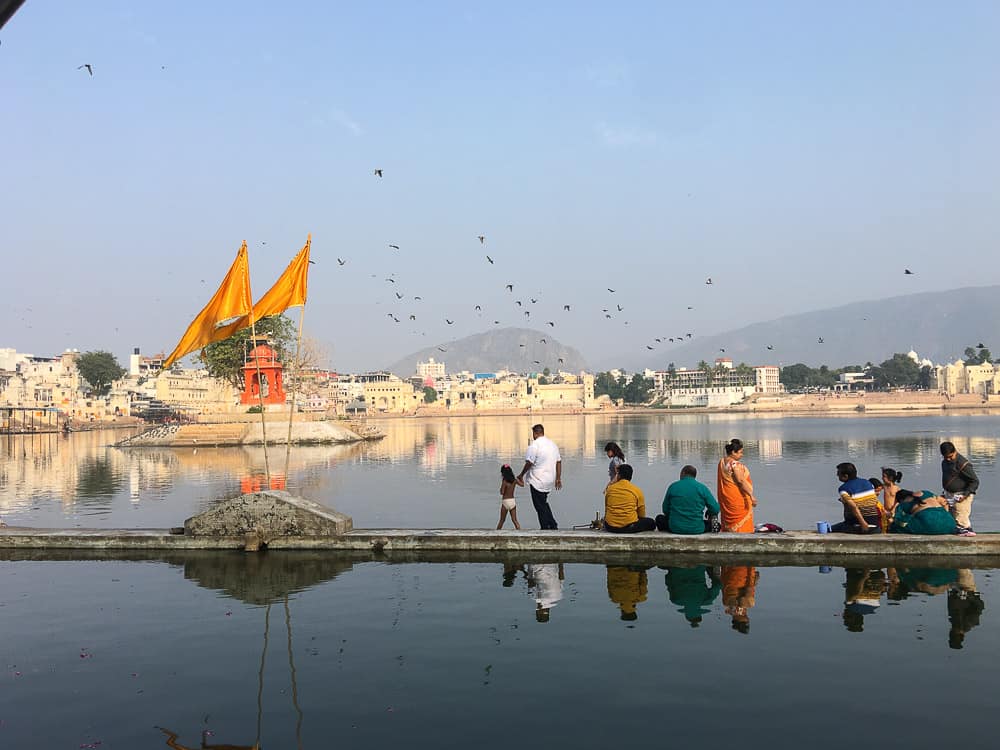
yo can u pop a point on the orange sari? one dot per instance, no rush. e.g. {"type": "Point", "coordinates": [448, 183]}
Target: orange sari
{"type": "Point", "coordinates": [737, 510]}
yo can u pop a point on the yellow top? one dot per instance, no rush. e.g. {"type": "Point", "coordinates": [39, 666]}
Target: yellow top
{"type": "Point", "coordinates": [624, 503]}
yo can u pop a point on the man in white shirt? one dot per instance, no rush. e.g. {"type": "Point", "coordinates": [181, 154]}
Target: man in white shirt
{"type": "Point", "coordinates": [543, 473]}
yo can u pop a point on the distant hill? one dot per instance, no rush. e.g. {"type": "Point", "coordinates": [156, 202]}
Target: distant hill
{"type": "Point", "coordinates": [497, 350]}
{"type": "Point", "coordinates": [937, 325]}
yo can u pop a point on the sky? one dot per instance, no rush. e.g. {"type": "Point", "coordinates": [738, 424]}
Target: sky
{"type": "Point", "coordinates": [801, 155]}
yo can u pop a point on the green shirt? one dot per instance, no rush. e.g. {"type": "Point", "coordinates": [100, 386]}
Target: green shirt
{"type": "Point", "coordinates": [684, 506]}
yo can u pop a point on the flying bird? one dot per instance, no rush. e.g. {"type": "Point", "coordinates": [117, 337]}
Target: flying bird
{"type": "Point", "coordinates": [522, 345]}
{"type": "Point", "coordinates": [442, 349]}
{"type": "Point", "coordinates": [536, 361]}
{"type": "Point", "coordinates": [413, 317]}
{"type": "Point", "coordinates": [527, 313]}
{"type": "Point", "coordinates": [341, 261]}
{"type": "Point", "coordinates": [980, 345]}
{"type": "Point", "coordinates": [542, 341]}
{"type": "Point", "coordinates": [670, 340]}
{"type": "Point", "coordinates": [820, 341]}
{"type": "Point", "coordinates": [394, 247]}
{"type": "Point", "coordinates": [399, 296]}
{"type": "Point", "coordinates": [449, 322]}
{"type": "Point", "coordinates": [479, 308]}
{"type": "Point", "coordinates": [690, 307]}
{"type": "Point", "coordinates": [517, 302]}
{"type": "Point", "coordinates": [907, 272]}
{"type": "Point", "coordinates": [534, 301]}
{"type": "Point", "coordinates": [561, 359]}
{"type": "Point", "coordinates": [649, 347]}
{"type": "Point", "coordinates": [769, 347]}
{"type": "Point", "coordinates": [566, 308]}
{"type": "Point", "coordinates": [660, 341]}
{"type": "Point", "coordinates": [390, 279]}
{"type": "Point", "coordinates": [688, 335]}
{"type": "Point", "coordinates": [88, 66]}
{"type": "Point", "coordinates": [378, 172]}
{"type": "Point", "coordinates": [489, 259]}
{"type": "Point", "coordinates": [708, 280]}
{"type": "Point", "coordinates": [482, 239]}
{"type": "Point", "coordinates": [722, 350]}
{"type": "Point", "coordinates": [620, 308]}
{"type": "Point", "coordinates": [510, 287]}
{"type": "Point", "coordinates": [420, 298]}
{"type": "Point", "coordinates": [611, 290]}
{"type": "Point", "coordinates": [552, 324]}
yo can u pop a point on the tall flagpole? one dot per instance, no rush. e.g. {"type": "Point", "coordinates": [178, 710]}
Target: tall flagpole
{"type": "Point", "coordinates": [260, 394]}
{"type": "Point", "coordinates": [291, 414]}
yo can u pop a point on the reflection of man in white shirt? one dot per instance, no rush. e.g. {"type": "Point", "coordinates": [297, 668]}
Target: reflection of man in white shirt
{"type": "Point", "coordinates": [547, 580]}
{"type": "Point", "coordinates": [543, 467]}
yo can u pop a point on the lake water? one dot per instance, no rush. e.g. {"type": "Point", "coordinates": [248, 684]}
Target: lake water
{"type": "Point", "coordinates": [445, 472]}
{"type": "Point", "coordinates": [313, 650]}
{"type": "Point", "coordinates": [308, 651]}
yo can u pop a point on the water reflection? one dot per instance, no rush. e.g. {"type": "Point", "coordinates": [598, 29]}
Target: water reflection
{"type": "Point", "coordinates": [739, 594]}
{"type": "Point", "coordinates": [863, 594]}
{"type": "Point", "coordinates": [439, 472]}
{"type": "Point", "coordinates": [547, 582]}
{"type": "Point", "coordinates": [627, 587]}
{"type": "Point", "coordinates": [694, 590]}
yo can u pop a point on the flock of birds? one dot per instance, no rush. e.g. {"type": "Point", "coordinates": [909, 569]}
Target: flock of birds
{"type": "Point", "coordinates": [520, 304]}
{"type": "Point", "coordinates": [524, 306]}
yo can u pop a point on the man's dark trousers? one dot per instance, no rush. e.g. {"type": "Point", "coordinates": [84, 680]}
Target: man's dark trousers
{"type": "Point", "coordinates": [541, 502]}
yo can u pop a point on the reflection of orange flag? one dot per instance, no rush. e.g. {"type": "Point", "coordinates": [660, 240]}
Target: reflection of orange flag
{"type": "Point", "coordinates": [231, 301]}
{"type": "Point", "coordinates": [288, 291]}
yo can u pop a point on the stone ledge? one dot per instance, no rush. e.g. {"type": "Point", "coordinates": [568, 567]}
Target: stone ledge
{"type": "Point", "coordinates": [798, 544]}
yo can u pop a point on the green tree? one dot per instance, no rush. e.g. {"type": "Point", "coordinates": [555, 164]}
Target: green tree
{"type": "Point", "coordinates": [430, 395]}
{"type": "Point", "coordinates": [100, 369]}
{"type": "Point", "coordinates": [898, 372]}
{"type": "Point", "coordinates": [225, 359]}
{"type": "Point", "coordinates": [977, 356]}
{"type": "Point", "coordinates": [606, 384]}
{"type": "Point", "coordinates": [638, 389]}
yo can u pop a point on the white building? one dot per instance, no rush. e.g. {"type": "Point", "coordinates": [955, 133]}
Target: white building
{"type": "Point", "coordinates": [431, 369]}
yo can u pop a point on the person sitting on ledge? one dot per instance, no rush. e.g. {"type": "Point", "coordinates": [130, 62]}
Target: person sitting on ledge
{"type": "Point", "coordinates": [684, 505]}
{"type": "Point", "coordinates": [861, 507]}
{"type": "Point", "coordinates": [625, 505]}
{"type": "Point", "coordinates": [921, 513]}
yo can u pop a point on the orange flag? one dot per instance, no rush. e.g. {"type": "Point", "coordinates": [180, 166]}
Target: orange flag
{"type": "Point", "coordinates": [288, 291]}
{"type": "Point", "coordinates": [232, 300]}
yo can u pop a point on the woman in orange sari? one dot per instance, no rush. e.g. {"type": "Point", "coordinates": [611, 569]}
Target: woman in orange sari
{"type": "Point", "coordinates": [735, 493]}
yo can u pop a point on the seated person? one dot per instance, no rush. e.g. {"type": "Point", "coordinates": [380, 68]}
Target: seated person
{"type": "Point", "coordinates": [625, 505]}
{"type": "Point", "coordinates": [921, 513]}
{"type": "Point", "coordinates": [685, 503]}
{"type": "Point", "coordinates": [861, 506]}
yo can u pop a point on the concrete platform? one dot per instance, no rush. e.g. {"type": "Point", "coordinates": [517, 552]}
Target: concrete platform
{"type": "Point", "coordinates": [490, 544]}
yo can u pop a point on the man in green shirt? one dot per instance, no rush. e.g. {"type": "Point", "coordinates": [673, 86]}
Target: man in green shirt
{"type": "Point", "coordinates": [684, 505]}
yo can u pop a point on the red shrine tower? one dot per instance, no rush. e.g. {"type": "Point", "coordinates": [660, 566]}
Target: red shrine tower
{"type": "Point", "coordinates": [263, 358]}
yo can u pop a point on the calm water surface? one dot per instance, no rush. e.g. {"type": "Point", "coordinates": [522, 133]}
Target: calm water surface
{"type": "Point", "coordinates": [306, 651]}
{"type": "Point", "coordinates": [299, 650]}
{"type": "Point", "coordinates": [445, 472]}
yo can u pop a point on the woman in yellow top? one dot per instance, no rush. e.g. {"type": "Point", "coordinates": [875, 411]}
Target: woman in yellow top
{"type": "Point", "coordinates": [735, 490]}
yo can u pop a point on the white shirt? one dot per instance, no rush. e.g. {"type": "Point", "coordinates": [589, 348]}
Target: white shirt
{"type": "Point", "coordinates": [543, 455]}
{"type": "Point", "coordinates": [548, 587]}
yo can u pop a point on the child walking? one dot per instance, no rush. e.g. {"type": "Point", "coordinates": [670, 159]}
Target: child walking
{"type": "Point", "coordinates": [507, 503]}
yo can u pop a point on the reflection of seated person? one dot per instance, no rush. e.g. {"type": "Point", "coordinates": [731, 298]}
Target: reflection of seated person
{"type": "Point", "coordinates": [921, 513]}
{"type": "Point", "coordinates": [688, 588]}
{"type": "Point", "coordinates": [739, 588]}
{"type": "Point", "coordinates": [862, 596]}
{"type": "Point", "coordinates": [685, 504]}
{"type": "Point", "coordinates": [625, 505]}
{"type": "Point", "coordinates": [964, 607]}
{"type": "Point", "coordinates": [862, 513]}
{"type": "Point", "coordinates": [626, 588]}
{"type": "Point", "coordinates": [547, 581]}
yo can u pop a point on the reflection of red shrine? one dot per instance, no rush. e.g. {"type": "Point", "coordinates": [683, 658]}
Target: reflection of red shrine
{"type": "Point", "coordinates": [269, 382]}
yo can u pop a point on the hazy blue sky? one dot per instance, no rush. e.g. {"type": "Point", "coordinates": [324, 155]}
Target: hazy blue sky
{"type": "Point", "coordinates": [801, 156]}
